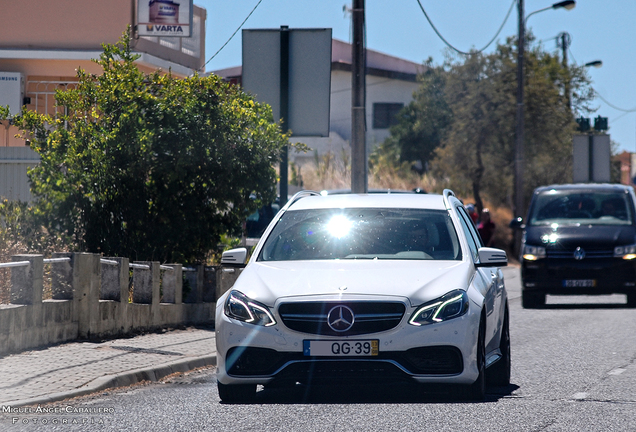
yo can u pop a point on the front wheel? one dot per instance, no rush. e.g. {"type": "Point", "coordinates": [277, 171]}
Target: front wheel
{"type": "Point", "coordinates": [236, 393]}
{"type": "Point", "coordinates": [499, 373]}
{"type": "Point", "coordinates": [477, 390]}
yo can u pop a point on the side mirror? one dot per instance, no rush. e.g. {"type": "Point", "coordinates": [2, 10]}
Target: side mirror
{"type": "Point", "coordinates": [517, 223]}
{"type": "Point", "coordinates": [234, 257]}
{"type": "Point", "coordinates": [492, 257]}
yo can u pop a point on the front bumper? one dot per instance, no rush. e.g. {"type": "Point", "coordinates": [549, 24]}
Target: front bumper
{"type": "Point", "coordinates": [609, 275]}
{"type": "Point", "coordinates": [438, 353]}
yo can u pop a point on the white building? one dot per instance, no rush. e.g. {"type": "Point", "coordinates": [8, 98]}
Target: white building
{"type": "Point", "coordinates": [390, 83]}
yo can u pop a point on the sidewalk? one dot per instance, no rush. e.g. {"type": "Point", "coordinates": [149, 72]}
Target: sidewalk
{"type": "Point", "coordinates": [78, 368]}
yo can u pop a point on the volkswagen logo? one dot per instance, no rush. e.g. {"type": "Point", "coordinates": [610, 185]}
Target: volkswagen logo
{"type": "Point", "coordinates": [340, 318]}
{"type": "Point", "coordinates": [579, 253]}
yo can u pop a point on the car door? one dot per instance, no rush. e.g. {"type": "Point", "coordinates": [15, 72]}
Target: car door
{"type": "Point", "coordinates": [489, 277]}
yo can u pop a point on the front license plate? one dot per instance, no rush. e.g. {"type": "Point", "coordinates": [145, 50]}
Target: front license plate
{"type": "Point", "coordinates": [349, 348]}
{"type": "Point", "coordinates": [579, 283]}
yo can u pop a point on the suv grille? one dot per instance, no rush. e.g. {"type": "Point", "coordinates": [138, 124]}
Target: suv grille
{"type": "Point", "coordinates": [370, 317]}
{"type": "Point", "coordinates": [589, 253]}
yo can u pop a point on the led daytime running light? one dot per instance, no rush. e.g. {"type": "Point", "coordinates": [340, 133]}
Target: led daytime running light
{"type": "Point", "coordinates": [239, 307]}
{"type": "Point", "coordinates": [441, 308]}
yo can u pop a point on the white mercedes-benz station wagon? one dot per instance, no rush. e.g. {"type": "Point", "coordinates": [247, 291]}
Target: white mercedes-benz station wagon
{"type": "Point", "coordinates": [364, 288]}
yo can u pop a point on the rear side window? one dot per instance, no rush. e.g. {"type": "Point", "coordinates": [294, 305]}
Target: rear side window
{"type": "Point", "coordinates": [589, 207]}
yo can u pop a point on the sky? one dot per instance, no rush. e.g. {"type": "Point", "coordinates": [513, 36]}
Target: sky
{"type": "Point", "coordinates": [599, 30]}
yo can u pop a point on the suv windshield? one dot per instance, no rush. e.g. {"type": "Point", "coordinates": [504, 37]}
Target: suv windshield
{"type": "Point", "coordinates": [581, 207]}
{"type": "Point", "coordinates": [362, 233]}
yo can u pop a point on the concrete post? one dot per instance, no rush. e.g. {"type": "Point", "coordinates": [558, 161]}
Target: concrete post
{"type": "Point", "coordinates": [155, 311]}
{"type": "Point", "coordinates": [26, 281]}
{"type": "Point", "coordinates": [62, 277]}
{"type": "Point", "coordinates": [172, 284]}
{"type": "Point", "coordinates": [86, 288]}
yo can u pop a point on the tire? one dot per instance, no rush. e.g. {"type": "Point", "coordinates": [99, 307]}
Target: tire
{"type": "Point", "coordinates": [236, 393]}
{"type": "Point", "coordinates": [532, 300]}
{"type": "Point", "coordinates": [477, 390]}
{"type": "Point", "coordinates": [499, 373]}
{"type": "Point", "coordinates": [631, 300]}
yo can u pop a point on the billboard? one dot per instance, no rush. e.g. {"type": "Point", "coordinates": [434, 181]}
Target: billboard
{"type": "Point", "coordinates": [591, 158]}
{"type": "Point", "coordinates": [164, 18]}
{"type": "Point", "coordinates": [309, 76]}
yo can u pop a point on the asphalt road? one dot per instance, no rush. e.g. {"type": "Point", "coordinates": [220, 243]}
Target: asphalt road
{"type": "Point", "coordinates": [574, 369]}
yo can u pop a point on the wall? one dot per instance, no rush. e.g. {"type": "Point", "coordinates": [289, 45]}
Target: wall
{"type": "Point", "coordinates": [91, 299]}
{"type": "Point", "coordinates": [14, 162]}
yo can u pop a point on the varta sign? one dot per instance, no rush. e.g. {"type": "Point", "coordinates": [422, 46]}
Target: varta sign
{"type": "Point", "coordinates": [165, 29]}
{"type": "Point", "coordinates": [164, 17]}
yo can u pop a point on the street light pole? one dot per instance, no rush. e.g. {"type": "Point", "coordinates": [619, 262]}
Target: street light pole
{"type": "Point", "coordinates": [519, 208]}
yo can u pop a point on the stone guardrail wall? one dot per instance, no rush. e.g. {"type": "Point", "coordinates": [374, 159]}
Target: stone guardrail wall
{"type": "Point", "coordinates": [90, 299]}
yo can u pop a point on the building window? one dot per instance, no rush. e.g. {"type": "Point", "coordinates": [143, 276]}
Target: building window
{"type": "Point", "coordinates": [384, 114]}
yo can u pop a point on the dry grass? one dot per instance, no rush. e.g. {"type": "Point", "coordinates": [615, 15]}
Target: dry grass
{"type": "Point", "coordinates": [332, 175]}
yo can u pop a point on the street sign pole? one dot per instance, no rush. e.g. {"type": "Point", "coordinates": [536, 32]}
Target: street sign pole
{"type": "Point", "coordinates": [284, 109]}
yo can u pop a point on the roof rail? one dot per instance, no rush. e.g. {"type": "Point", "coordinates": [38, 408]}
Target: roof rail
{"type": "Point", "coordinates": [300, 195]}
{"type": "Point", "coordinates": [447, 195]}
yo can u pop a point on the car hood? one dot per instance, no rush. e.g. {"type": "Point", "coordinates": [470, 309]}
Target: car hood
{"type": "Point", "coordinates": [418, 281]}
{"type": "Point", "coordinates": [572, 236]}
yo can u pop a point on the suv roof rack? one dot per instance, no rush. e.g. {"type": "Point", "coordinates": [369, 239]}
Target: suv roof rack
{"type": "Point", "coordinates": [447, 195]}
{"type": "Point", "coordinates": [299, 195]}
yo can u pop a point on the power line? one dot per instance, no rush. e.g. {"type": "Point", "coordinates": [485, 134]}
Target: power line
{"type": "Point", "coordinates": [233, 34]}
{"type": "Point", "coordinates": [614, 106]}
{"type": "Point", "coordinates": [472, 52]}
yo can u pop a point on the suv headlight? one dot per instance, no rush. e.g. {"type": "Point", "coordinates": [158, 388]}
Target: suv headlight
{"type": "Point", "coordinates": [242, 308]}
{"type": "Point", "coordinates": [451, 305]}
{"type": "Point", "coordinates": [626, 252]}
{"type": "Point", "coordinates": [533, 253]}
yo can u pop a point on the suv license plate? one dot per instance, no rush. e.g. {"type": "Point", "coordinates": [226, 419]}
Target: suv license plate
{"type": "Point", "coordinates": [349, 348]}
{"type": "Point", "coordinates": [579, 283]}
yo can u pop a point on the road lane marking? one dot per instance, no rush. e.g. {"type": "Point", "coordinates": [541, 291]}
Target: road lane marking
{"type": "Point", "coordinates": [579, 396]}
{"type": "Point", "coordinates": [616, 371]}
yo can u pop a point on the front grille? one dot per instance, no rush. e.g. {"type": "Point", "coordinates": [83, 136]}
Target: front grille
{"type": "Point", "coordinates": [434, 360]}
{"type": "Point", "coordinates": [370, 317]}
{"type": "Point", "coordinates": [589, 253]}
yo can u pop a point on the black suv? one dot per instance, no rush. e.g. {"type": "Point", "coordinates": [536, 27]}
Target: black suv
{"type": "Point", "coordinates": [578, 239]}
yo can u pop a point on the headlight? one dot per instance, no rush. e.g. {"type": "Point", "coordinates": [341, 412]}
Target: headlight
{"type": "Point", "coordinates": [242, 308]}
{"type": "Point", "coordinates": [626, 252]}
{"type": "Point", "coordinates": [452, 305]}
{"type": "Point", "coordinates": [533, 253]}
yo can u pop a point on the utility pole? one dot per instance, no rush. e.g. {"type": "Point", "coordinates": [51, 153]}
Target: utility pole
{"type": "Point", "coordinates": [359, 182]}
{"type": "Point", "coordinates": [564, 41]}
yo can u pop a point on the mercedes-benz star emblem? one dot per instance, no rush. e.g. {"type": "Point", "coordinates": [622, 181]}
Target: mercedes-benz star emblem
{"type": "Point", "coordinates": [340, 318]}
{"type": "Point", "coordinates": [579, 253]}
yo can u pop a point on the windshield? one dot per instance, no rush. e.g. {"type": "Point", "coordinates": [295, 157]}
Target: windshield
{"type": "Point", "coordinates": [363, 233]}
{"type": "Point", "coordinates": [581, 207]}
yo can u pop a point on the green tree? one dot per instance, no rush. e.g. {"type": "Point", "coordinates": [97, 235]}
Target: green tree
{"type": "Point", "coordinates": [149, 166]}
{"type": "Point", "coordinates": [463, 121]}
{"type": "Point", "coordinates": [420, 125]}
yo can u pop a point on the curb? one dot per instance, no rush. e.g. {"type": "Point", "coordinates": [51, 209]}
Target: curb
{"type": "Point", "coordinates": [153, 373]}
